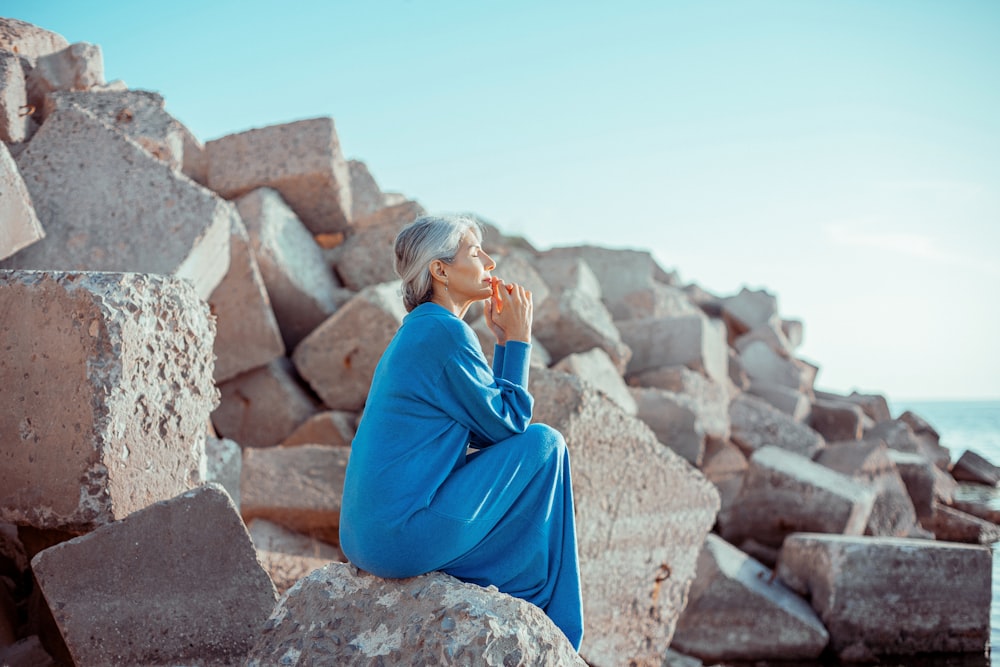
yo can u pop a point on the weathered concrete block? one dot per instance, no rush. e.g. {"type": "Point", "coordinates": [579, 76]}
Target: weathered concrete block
{"type": "Point", "coordinates": [596, 367]}
{"type": "Point", "coordinates": [330, 427]}
{"type": "Point", "coordinates": [694, 341]}
{"type": "Point", "coordinates": [619, 271]}
{"type": "Point", "coordinates": [77, 67]}
{"type": "Point", "coordinates": [261, 407]}
{"type": "Point", "coordinates": [975, 499]}
{"type": "Point", "coordinates": [899, 435]}
{"type": "Point", "coordinates": [338, 358]}
{"type": "Point", "coordinates": [793, 332]}
{"type": "Point", "coordinates": [29, 40]}
{"type": "Point", "coordinates": [296, 487]}
{"type": "Point", "coordinates": [642, 516]}
{"type": "Point", "coordinates": [20, 226]}
{"type": "Point", "coordinates": [175, 583]}
{"type": "Point", "coordinates": [785, 493]}
{"type": "Point", "coordinates": [366, 195]}
{"type": "Point", "coordinates": [302, 288]}
{"type": "Point", "coordinates": [194, 164]}
{"type": "Point", "coordinates": [127, 358]}
{"type": "Point", "coordinates": [868, 462]}
{"type": "Point", "coordinates": [138, 114]}
{"type": "Point", "coordinates": [765, 365]}
{"type": "Point", "coordinates": [755, 423]}
{"type": "Point", "coordinates": [794, 403]}
{"type": "Point", "coordinates": [771, 334]}
{"type": "Point", "coordinates": [573, 321]}
{"type": "Point", "coordinates": [562, 271]}
{"type": "Point", "coordinates": [973, 467]}
{"type": "Point", "coordinates": [517, 266]}
{"type": "Point", "coordinates": [737, 610]}
{"type": "Point", "coordinates": [724, 465]}
{"type": "Point", "coordinates": [365, 256]}
{"type": "Point", "coordinates": [225, 465]}
{"type": "Point", "coordinates": [108, 205]}
{"type": "Point", "coordinates": [874, 406]}
{"type": "Point", "coordinates": [16, 124]}
{"type": "Point", "coordinates": [657, 300]}
{"type": "Point", "coordinates": [301, 160]}
{"type": "Point", "coordinates": [247, 336]}
{"type": "Point", "coordinates": [837, 420]}
{"type": "Point", "coordinates": [919, 476]}
{"type": "Point", "coordinates": [748, 310]}
{"type": "Point", "coordinates": [343, 616]}
{"type": "Point", "coordinates": [286, 555]}
{"type": "Point", "coordinates": [953, 525]}
{"type": "Point", "coordinates": [939, 593]}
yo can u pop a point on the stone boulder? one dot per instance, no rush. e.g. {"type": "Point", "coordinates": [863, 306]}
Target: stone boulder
{"type": "Point", "coordinates": [339, 615]}
{"type": "Point", "coordinates": [29, 40]}
{"type": "Point", "coordinates": [177, 582]}
{"type": "Point", "coordinates": [79, 66]}
{"type": "Point", "coordinates": [366, 195]}
{"type": "Point", "coordinates": [296, 487]}
{"type": "Point", "coordinates": [755, 423]}
{"type": "Point", "coordinates": [16, 126]}
{"type": "Point", "coordinates": [765, 365]}
{"type": "Point", "coordinates": [738, 610]}
{"type": "Point", "coordinates": [571, 321]}
{"type": "Point", "coordinates": [793, 402]}
{"type": "Point", "coordinates": [108, 205]}
{"type": "Point", "coordinates": [366, 256]}
{"type": "Point", "coordinates": [338, 358]}
{"type": "Point", "coordinates": [901, 436]}
{"type": "Point", "coordinates": [20, 226]}
{"type": "Point", "coordinates": [748, 310]}
{"type": "Point", "coordinates": [562, 271]}
{"type": "Point", "coordinates": [302, 160]}
{"type": "Point", "coordinates": [972, 467]}
{"type": "Point", "coordinates": [725, 466]}
{"type": "Point", "coordinates": [657, 300]}
{"type": "Point", "coordinates": [225, 465]}
{"type": "Point", "coordinates": [921, 478]}
{"type": "Point", "coordinates": [596, 367]}
{"type": "Point", "coordinates": [286, 555]}
{"type": "Point", "coordinates": [940, 593]}
{"type": "Point", "coordinates": [330, 427]}
{"type": "Point", "coordinates": [784, 493]}
{"type": "Point", "coordinates": [107, 387]}
{"type": "Point", "coordinates": [949, 524]}
{"type": "Point", "coordinates": [642, 517]}
{"type": "Point", "coordinates": [694, 341]}
{"type": "Point", "coordinates": [837, 420]}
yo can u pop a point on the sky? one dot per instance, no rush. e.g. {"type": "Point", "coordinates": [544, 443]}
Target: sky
{"type": "Point", "coordinates": [843, 156]}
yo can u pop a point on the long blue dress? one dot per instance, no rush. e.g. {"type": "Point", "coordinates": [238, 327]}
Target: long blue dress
{"type": "Point", "coordinates": [415, 501]}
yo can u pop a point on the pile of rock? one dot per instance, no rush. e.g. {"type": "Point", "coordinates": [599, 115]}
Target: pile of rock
{"type": "Point", "coordinates": [188, 336]}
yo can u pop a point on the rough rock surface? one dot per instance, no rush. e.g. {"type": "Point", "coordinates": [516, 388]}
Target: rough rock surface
{"type": "Point", "coordinates": [694, 341]}
{"type": "Point", "coordinates": [20, 227]}
{"type": "Point", "coordinates": [127, 358]}
{"type": "Point", "coordinates": [755, 423]}
{"type": "Point", "coordinates": [175, 583]}
{"type": "Point", "coordinates": [365, 257]}
{"type": "Point", "coordinates": [286, 555]}
{"type": "Point", "coordinates": [339, 615]}
{"type": "Point", "coordinates": [573, 320]}
{"type": "Point", "coordinates": [29, 40]}
{"type": "Point", "coordinates": [15, 125]}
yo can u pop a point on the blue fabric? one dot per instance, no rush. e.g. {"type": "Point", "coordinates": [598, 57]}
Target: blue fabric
{"type": "Point", "coordinates": [415, 500]}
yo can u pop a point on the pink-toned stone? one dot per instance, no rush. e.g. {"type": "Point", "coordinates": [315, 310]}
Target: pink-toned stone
{"type": "Point", "coordinates": [127, 360]}
{"type": "Point", "coordinates": [755, 423]}
{"type": "Point", "coordinates": [19, 225]}
{"type": "Point", "coordinates": [16, 124]}
{"type": "Point", "coordinates": [366, 195]}
{"type": "Point", "coordinates": [657, 300]}
{"type": "Point", "coordinates": [365, 256]}
{"type": "Point", "coordinates": [108, 205]}
{"type": "Point", "coordinates": [29, 40]}
{"type": "Point", "coordinates": [763, 364]}
{"type": "Point", "coordinates": [77, 67]}
{"type": "Point", "coordinates": [338, 358]}
{"type": "Point", "coordinates": [194, 164]}
{"type": "Point", "coordinates": [953, 525]}
{"type": "Point", "coordinates": [175, 583]}
{"type": "Point", "coordinates": [794, 403]}
{"type": "Point", "coordinates": [693, 341]}
{"type": "Point", "coordinates": [724, 465]}
{"type": "Point", "coordinates": [225, 465]}
{"type": "Point", "coordinates": [296, 487]}
{"type": "Point", "coordinates": [288, 556]}
{"type": "Point", "coordinates": [574, 321]}
{"type": "Point", "coordinates": [749, 309]}
{"type": "Point", "coordinates": [899, 435]}
{"type": "Point", "coordinates": [619, 271]}
{"type": "Point", "coordinates": [565, 271]}
{"type": "Point", "coordinates": [261, 407]}
{"type": "Point", "coordinates": [331, 427]}
{"type": "Point", "coordinates": [837, 420]}
{"type": "Point", "coordinates": [973, 467]}
{"type": "Point", "coordinates": [596, 367]}
{"type": "Point", "coordinates": [301, 160]}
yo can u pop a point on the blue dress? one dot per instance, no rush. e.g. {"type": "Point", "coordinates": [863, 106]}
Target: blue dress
{"type": "Point", "coordinates": [416, 501]}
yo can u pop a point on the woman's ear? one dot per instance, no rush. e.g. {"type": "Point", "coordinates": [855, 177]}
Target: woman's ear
{"type": "Point", "coordinates": [439, 271]}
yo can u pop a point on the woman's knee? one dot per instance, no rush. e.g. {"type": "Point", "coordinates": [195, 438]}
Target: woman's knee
{"type": "Point", "coordinates": [548, 440]}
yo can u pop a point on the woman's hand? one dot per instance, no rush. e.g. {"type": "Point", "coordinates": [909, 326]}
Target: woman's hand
{"type": "Point", "coordinates": [508, 312]}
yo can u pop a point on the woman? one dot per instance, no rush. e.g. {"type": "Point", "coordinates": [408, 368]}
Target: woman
{"type": "Point", "coordinates": [415, 500]}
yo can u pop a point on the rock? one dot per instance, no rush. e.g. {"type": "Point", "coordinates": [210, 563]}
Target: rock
{"type": "Point", "coordinates": [919, 477]}
{"type": "Point", "coordinates": [13, 558]}
{"type": "Point", "coordinates": [765, 365]}
{"type": "Point", "coordinates": [642, 516]}
{"type": "Point", "coordinates": [596, 367]}
{"type": "Point", "coordinates": [899, 435]}
{"type": "Point", "coordinates": [971, 467]}
{"type": "Point", "coordinates": [225, 465]}
{"type": "Point", "coordinates": [28, 40]}
{"type": "Point", "coordinates": [195, 163]}
{"type": "Point", "coordinates": [366, 256]}
{"type": "Point", "coordinates": [755, 424]}
{"type": "Point", "coordinates": [725, 466]}
{"type": "Point", "coordinates": [874, 406]}
{"type": "Point", "coordinates": [940, 593]}
{"type": "Point", "coordinates": [301, 160]}
{"type": "Point", "coordinates": [737, 610]}
{"type": "Point", "coordinates": [793, 332]}
{"type": "Point", "coordinates": [108, 205]}
{"type": "Point", "coordinates": [260, 408]}
{"type": "Point", "coordinates": [248, 336]}
{"type": "Point", "coordinates": [77, 67]}
{"type": "Point", "coordinates": [794, 403]}
{"type": "Point", "coordinates": [953, 525]}
{"type": "Point", "coordinates": [747, 310]}
{"type": "Point", "coordinates": [836, 420]}
{"type": "Point", "coordinates": [868, 462]}
{"type": "Point", "coordinates": [339, 615]}
{"type": "Point", "coordinates": [693, 341]}
{"type": "Point", "coordinates": [975, 499]}
{"type": "Point", "coordinates": [619, 271]}
{"type": "Point", "coordinates": [16, 125]}
{"type": "Point", "coordinates": [175, 583]}
{"type": "Point", "coordinates": [288, 556]}
{"type": "Point", "coordinates": [517, 266]}
{"type": "Point", "coordinates": [20, 226]}
{"type": "Point", "coordinates": [296, 487]}
{"type": "Point", "coordinates": [574, 321]}
{"type": "Point", "coordinates": [127, 360]}
{"type": "Point", "coordinates": [657, 300]}
{"type": "Point", "coordinates": [338, 358]}
{"type": "Point", "coordinates": [771, 334]}
{"type": "Point", "coordinates": [563, 271]}
{"type": "Point", "coordinates": [302, 289]}
{"type": "Point", "coordinates": [785, 493]}
{"type": "Point", "coordinates": [8, 615]}
{"type": "Point", "coordinates": [366, 195]}
{"type": "Point", "coordinates": [331, 427]}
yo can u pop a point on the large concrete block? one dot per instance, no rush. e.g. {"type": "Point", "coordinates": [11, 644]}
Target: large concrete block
{"type": "Point", "coordinates": [794, 403]}
{"type": "Point", "coordinates": [247, 336]}
{"type": "Point", "coordinates": [77, 67]}
{"type": "Point", "coordinates": [338, 358]}
{"type": "Point", "coordinates": [365, 256]}
{"type": "Point", "coordinates": [755, 423]}
{"type": "Point", "coordinates": [261, 407]}
{"type": "Point", "coordinates": [296, 487]}
{"type": "Point", "coordinates": [748, 310]}
{"type": "Point", "coordinates": [339, 615]}
{"type": "Point", "coordinates": [619, 271]}
{"type": "Point", "coordinates": [657, 300]}
{"type": "Point", "coordinates": [765, 365]}
{"type": "Point", "coordinates": [562, 271]}
{"type": "Point", "coordinates": [973, 467]}
{"type": "Point", "coordinates": [694, 341]}
{"type": "Point", "coordinates": [19, 225]}
{"type": "Point", "coordinates": [29, 40]}
{"type": "Point", "coordinates": [138, 114]}
{"type": "Point", "coordinates": [893, 596]}
{"type": "Point", "coordinates": [737, 610]}
{"type": "Point", "coordinates": [16, 125]}
{"type": "Point", "coordinates": [302, 288]}
{"type": "Point", "coordinates": [286, 555]}
{"type": "Point", "coordinates": [837, 420]}
{"type": "Point", "coordinates": [301, 160]}
{"type": "Point", "coordinates": [175, 583]}
{"type": "Point", "coordinates": [105, 390]}
{"type": "Point", "coordinates": [108, 205]}
{"type": "Point", "coordinates": [225, 465]}
{"type": "Point", "coordinates": [785, 493]}
{"type": "Point", "coordinates": [642, 516]}
{"type": "Point", "coordinates": [574, 321]}
{"type": "Point", "coordinates": [330, 427]}
{"type": "Point", "coordinates": [596, 367]}
{"type": "Point", "coordinates": [901, 436]}
{"type": "Point", "coordinates": [366, 195]}
{"type": "Point", "coordinates": [953, 525]}
{"type": "Point", "coordinates": [725, 466]}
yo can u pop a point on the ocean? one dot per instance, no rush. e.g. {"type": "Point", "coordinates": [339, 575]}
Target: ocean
{"type": "Point", "coordinates": [975, 426]}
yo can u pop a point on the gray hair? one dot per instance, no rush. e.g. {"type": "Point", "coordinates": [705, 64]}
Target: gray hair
{"type": "Point", "coordinates": [421, 242]}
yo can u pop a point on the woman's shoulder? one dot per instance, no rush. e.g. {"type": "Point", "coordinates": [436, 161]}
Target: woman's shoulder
{"type": "Point", "coordinates": [431, 319]}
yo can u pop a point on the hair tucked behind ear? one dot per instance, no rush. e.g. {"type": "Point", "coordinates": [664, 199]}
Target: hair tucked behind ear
{"type": "Point", "coordinates": [421, 242]}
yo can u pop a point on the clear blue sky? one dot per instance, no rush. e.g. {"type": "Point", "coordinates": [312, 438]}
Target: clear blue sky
{"type": "Point", "coordinates": [843, 155]}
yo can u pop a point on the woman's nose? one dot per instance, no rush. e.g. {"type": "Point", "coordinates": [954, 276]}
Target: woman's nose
{"type": "Point", "coordinates": [490, 264]}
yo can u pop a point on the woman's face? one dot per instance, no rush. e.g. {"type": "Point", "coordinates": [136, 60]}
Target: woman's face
{"type": "Point", "coordinates": [469, 273]}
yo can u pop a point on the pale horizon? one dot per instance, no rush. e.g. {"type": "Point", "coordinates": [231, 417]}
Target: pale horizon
{"type": "Point", "coordinates": [843, 156]}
